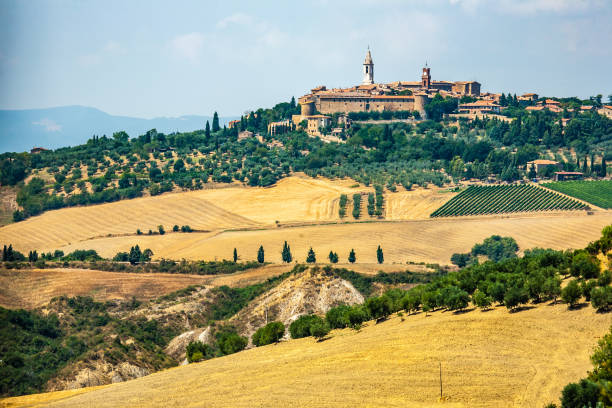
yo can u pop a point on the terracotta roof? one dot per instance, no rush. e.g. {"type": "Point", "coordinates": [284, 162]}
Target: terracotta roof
{"type": "Point", "coordinates": [607, 106]}
{"type": "Point", "coordinates": [542, 161]}
{"type": "Point", "coordinates": [530, 94]}
{"type": "Point", "coordinates": [569, 173]}
{"type": "Point", "coordinates": [552, 102]}
{"type": "Point", "coordinates": [478, 104]}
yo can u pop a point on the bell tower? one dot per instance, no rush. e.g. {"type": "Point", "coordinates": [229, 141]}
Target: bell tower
{"type": "Point", "coordinates": [368, 69]}
{"type": "Point", "coordinates": [426, 77]}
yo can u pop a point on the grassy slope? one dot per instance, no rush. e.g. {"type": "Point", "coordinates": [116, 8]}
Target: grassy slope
{"type": "Point", "coordinates": [598, 192]}
{"type": "Point", "coordinates": [488, 359]}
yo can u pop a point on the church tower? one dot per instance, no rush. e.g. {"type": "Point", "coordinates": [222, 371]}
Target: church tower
{"type": "Point", "coordinates": [426, 78]}
{"type": "Point", "coordinates": [368, 69]}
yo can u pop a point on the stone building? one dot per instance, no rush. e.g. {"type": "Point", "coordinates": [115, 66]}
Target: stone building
{"type": "Point", "coordinates": [370, 96]}
{"type": "Point", "coordinates": [479, 107]}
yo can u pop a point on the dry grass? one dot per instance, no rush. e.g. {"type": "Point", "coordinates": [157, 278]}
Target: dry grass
{"type": "Point", "coordinates": [414, 205]}
{"type": "Point", "coordinates": [295, 199]}
{"type": "Point", "coordinates": [489, 359]}
{"type": "Point", "coordinates": [244, 218]}
{"type": "Point", "coordinates": [34, 288]}
{"type": "Point", "coordinates": [431, 241]}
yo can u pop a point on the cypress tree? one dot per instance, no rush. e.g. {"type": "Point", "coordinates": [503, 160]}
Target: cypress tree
{"type": "Point", "coordinates": [379, 255]}
{"type": "Point", "coordinates": [352, 258]}
{"type": "Point", "coordinates": [215, 123]}
{"type": "Point", "coordinates": [604, 171]}
{"type": "Point", "coordinates": [260, 255]}
{"type": "Point", "coordinates": [235, 255]}
{"type": "Point", "coordinates": [311, 257]}
{"type": "Point", "coordinates": [286, 254]}
{"type": "Point", "coordinates": [207, 130]}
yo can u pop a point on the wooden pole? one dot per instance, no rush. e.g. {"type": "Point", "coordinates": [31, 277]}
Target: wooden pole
{"type": "Point", "coordinates": [440, 380]}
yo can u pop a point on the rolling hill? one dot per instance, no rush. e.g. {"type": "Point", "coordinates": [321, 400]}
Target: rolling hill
{"type": "Point", "coordinates": [492, 358]}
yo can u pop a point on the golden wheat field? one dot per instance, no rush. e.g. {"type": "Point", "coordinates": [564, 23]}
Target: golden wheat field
{"type": "Point", "coordinates": [431, 241]}
{"type": "Point", "coordinates": [301, 210]}
{"type": "Point", "coordinates": [295, 199]}
{"type": "Point", "coordinates": [489, 359]}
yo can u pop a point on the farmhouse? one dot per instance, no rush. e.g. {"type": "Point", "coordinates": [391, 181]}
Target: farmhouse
{"type": "Point", "coordinates": [541, 164]}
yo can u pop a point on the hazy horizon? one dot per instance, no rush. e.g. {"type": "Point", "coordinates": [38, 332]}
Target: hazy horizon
{"type": "Point", "coordinates": [155, 59]}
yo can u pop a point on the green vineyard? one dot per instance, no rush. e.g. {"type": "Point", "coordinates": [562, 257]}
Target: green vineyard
{"type": "Point", "coordinates": [477, 200]}
{"type": "Point", "coordinates": [597, 192]}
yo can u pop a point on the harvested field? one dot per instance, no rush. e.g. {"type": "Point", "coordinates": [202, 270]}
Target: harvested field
{"type": "Point", "coordinates": [414, 205]}
{"type": "Point", "coordinates": [489, 359]}
{"type": "Point", "coordinates": [30, 288]}
{"type": "Point", "coordinates": [431, 241]}
{"type": "Point", "coordinates": [33, 288]}
{"type": "Point", "coordinates": [294, 199]}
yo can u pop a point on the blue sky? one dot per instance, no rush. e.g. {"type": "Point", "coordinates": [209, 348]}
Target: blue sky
{"type": "Point", "coordinates": [150, 58]}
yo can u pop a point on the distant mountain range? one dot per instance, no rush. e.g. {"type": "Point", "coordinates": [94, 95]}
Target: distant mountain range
{"type": "Point", "coordinates": [21, 130]}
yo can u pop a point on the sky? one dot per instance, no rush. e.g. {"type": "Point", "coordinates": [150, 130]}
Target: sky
{"type": "Point", "coordinates": [171, 58]}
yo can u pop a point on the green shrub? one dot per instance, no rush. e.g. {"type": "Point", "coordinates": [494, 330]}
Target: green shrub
{"type": "Point", "coordinates": [571, 293]}
{"type": "Point", "coordinates": [319, 329]}
{"type": "Point", "coordinates": [196, 351]}
{"type": "Point", "coordinates": [302, 325]}
{"type": "Point", "coordinates": [270, 333]}
{"type": "Point", "coordinates": [338, 317]}
{"type": "Point", "coordinates": [230, 342]}
{"type": "Point", "coordinates": [601, 298]}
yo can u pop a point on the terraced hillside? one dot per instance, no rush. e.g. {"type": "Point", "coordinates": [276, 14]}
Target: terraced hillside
{"type": "Point", "coordinates": [479, 200]}
{"type": "Point", "coordinates": [596, 192]}
{"type": "Point", "coordinates": [489, 359]}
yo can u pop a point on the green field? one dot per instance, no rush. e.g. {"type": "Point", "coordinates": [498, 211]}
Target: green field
{"type": "Point", "coordinates": [598, 192]}
{"type": "Point", "coordinates": [477, 200]}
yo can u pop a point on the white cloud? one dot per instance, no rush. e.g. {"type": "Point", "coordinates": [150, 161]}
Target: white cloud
{"type": "Point", "coordinates": [110, 49]}
{"type": "Point", "coordinates": [113, 47]}
{"type": "Point", "coordinates": [238, 18]}
{"type": "Point", "coordinates": [188, 46]}
{"type": "Point", "coordinates": [49, 125]}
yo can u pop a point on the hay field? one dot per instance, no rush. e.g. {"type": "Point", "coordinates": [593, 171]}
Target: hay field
{"type": "Point", "coordinates": [35, 287]}
{"type": "Point", "coordinates": [489, 359]}
{"type": "Point", "coordinates": [31, 288]}
{"type": "Point", "coordinates": [431, 241]}
{"type": "Point", "coordinates": [417, 204]}
{"type": "Point", "coordinates": [294, 199]}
